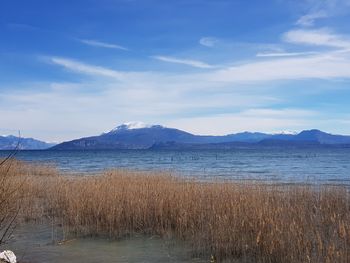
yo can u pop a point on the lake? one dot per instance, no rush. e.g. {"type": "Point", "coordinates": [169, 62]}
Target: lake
{"type": "Point", "coordinates": [306, 165]}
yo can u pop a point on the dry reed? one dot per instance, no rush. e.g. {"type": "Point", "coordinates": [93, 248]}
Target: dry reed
{"type": "Point", "coordinates": [9, 199]}
{"type": "Point", "coordinates": [247, 222]}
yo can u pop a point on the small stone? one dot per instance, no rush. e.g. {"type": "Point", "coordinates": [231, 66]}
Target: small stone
{"type": "Point", "coordinates": [8, 256]}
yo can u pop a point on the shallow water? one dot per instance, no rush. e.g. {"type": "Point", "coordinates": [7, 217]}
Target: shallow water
{"type": "Point", "coordinates": [277, 165]}
{"type": "Point", "coordinates": [38, 244]}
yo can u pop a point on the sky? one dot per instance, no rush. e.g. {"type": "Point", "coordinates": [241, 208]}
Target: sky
{"type": "Point", "coordinates": [70, 69]}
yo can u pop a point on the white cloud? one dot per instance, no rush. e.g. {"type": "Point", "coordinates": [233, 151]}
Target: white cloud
{"type": "Point", "coordinates": [188, 62]}
{"type": "Point", "coordinates": [319, 37]}
{"type": "Point", "coordinates": [284, 54]}
{"type": "Point", "coordinates": [309, 19]}
{"type": "Point", "coordinates": [318, 9]}
{"type": "Point", "coordinates": [84, 68]}
{"type": "Point", "coordinates": [324, 66]}
{"type": "Point", "coordinates": [96, 43]}
{"type": "Point", "coordinates": [208, 41]}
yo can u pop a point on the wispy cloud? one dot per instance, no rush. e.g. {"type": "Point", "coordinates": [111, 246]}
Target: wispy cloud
{"type": "Point", "coordinates": [330, 65]}
{"type": "Point", "coordinates": [284, 54]}
{"type": "Point", "coordinates": [321, 64]}
{"type": "Point", "coordinates": [322, 9]}
{"type": "Point", "coordinates": [96, 43]}
{"type": "Point", "coordinates": [318, 37]}
{"type": "Point", "coordinates": [309, 19]}
{"type": "Point", "coordinates": [187, 62]}
{"type": "Point", "coordinates": [77, 66]}
{"type": "Point", "coordinates": [208, 41]}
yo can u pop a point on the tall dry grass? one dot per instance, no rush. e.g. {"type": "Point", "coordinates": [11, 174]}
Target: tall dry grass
{"type": "Point", "coordinates": [9, 199]}
{"type": "Point", "coordinates": [247, 222]}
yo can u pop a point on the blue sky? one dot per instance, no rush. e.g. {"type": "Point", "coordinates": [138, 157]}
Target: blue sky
{"type": "Point", "coordinates": [77, 68]}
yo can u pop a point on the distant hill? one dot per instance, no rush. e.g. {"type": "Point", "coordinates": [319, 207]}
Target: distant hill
{"type": "Point", "coordinates": [10, 142]}
{"type": "Point", "coordinates": [141, 136]}
{"type": "Point", "coordinates": [311, 136]}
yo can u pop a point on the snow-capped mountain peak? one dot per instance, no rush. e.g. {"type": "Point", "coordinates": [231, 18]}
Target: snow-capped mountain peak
{"type": "Point", "coordinates": [133, 125]}
{"type": "Point", "coordinates": [285, 133]}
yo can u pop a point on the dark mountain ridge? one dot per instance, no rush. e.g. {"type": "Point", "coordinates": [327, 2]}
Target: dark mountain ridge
{"type": "Point", "coordinates": [137, 136]}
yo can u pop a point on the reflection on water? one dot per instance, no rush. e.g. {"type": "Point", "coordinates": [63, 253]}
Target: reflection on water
{"type": "Point", "coordinates": [34, 244]}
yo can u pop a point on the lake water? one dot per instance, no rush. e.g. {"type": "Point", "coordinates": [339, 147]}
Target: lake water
{"type": "Point", "coordinates": [307, 165]}
{"type": "Point", "coordinates": [38, 243]}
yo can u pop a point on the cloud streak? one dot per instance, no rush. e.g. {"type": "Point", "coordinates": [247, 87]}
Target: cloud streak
{"type": "Point", "coordinates": [319, 37]}
{"type": "Point", "coordinates": [208, 41]}
{"type": "Point", "coordinates": [187, 62]}
{"type": "Point", "coordinates": [95, 43]}
{"type": "Point", "coordinates": [80, 67]}
{"type": "Point", "coordinates": [323, 9]}
{"type": "Point", "coordinates": [309, 19]}
{"type": "Point", "coordinates": [284, 54]}
{"type": "Point", "coordinates": [324, 66]}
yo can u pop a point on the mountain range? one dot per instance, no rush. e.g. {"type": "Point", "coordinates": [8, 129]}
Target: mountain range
{"type": "Point", "coordinates": [11, 142]}
{"type": "Point", "coordinates": [141, 136]}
